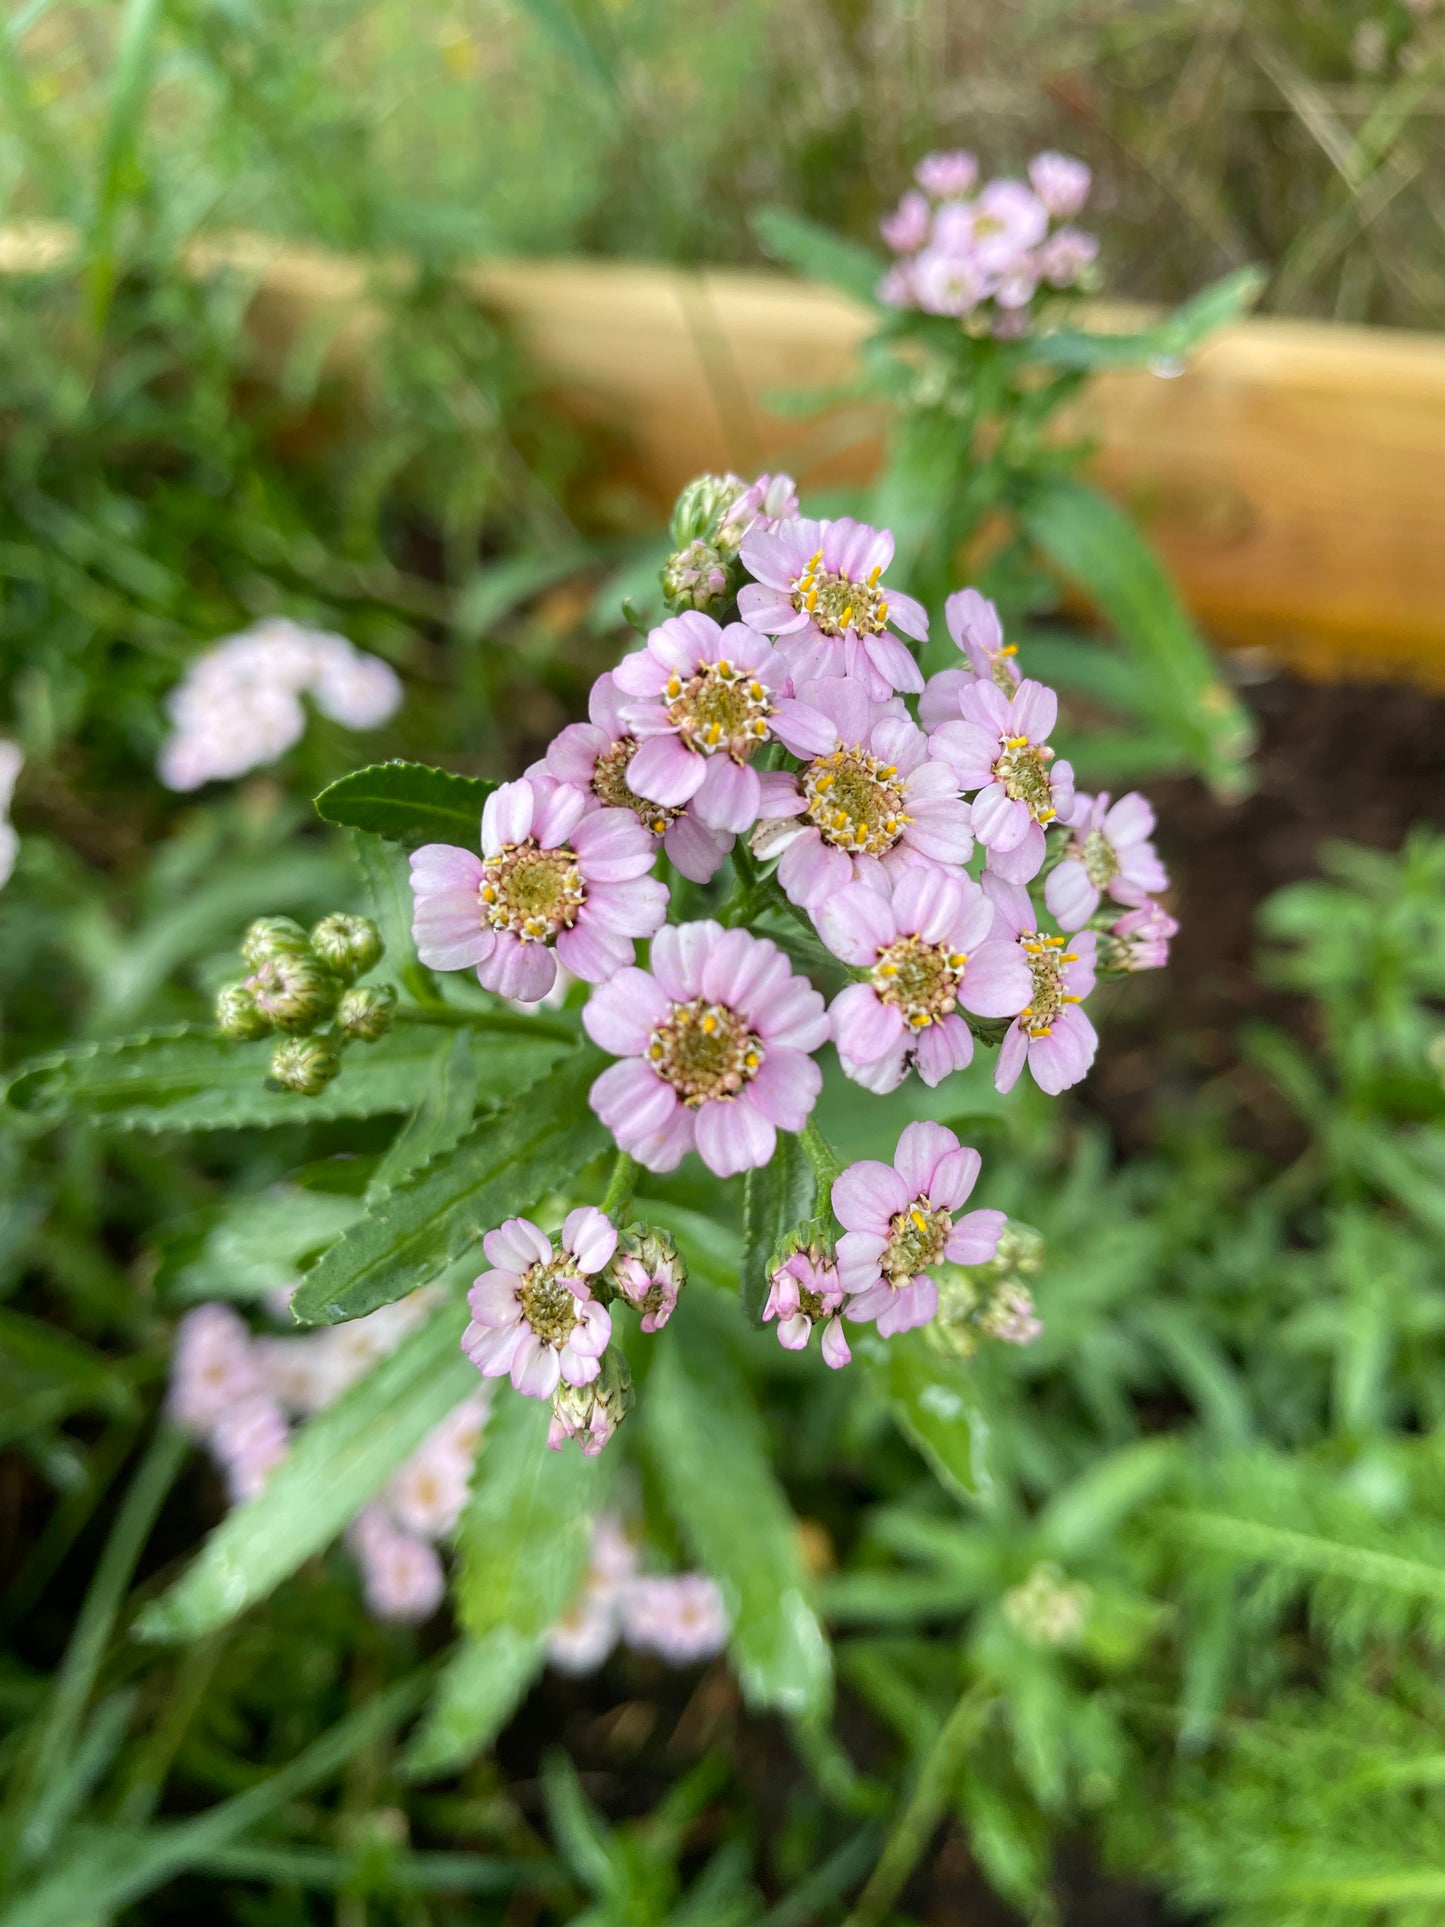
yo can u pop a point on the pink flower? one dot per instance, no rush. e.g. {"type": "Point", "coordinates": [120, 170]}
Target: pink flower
{"type": "Point", "coordinates": [947, 176]}
{"type": "Point", "coordinates": [899, 1220]}
{"type": "Point", "coordinates": [1052, 1034]}
{"type": "Point", "coordinates": [924, 937]}
{"type": "Point", "coordinates": [1004, 221]}
{"type": "Point", "coordinates": [214, 1367]}
{"type": "Point", "coordinates": [1140, 939]}
{"type": "Point", "coordinates": [680, 1618]}
{"type": "Point", "coordinates": [942, 282]}
{"type": "Point", "coordinates": [595, 757]}
{"type": "Point", "coordinates": [876, 798]}
{"type": "Point", "coordinates": [427, 1495]}
{"type": "Point", "coordinates": [587, 1631]}
{"type": "Point", "coordinates": [1061, 183]}
{"type": "Point", "coordinates": [704, 700]}
{"type": "Point", "coordinates": [716, 1040]}
{"type": "Point", "coordinates": [906, 229]}
{"type": "Point", "coordinates": [649, 1273]}
{"type": "Point", "coordinates": [1000, 749]}
{"type": "Point", "coordinates": [819, 590]}
{"type": "Point", "coordinates": [804, 1291]}
{"type": "Point", "coordinates": [249, 1440]}
{"type": "Point", "coordinates": [973, 622]}
{"type": "Point", "coordinates": [1109, 851]}
{"type": "Point", "coordinates": [402, 1577]}
{"type": "Point", "coordinates": [553, 876]}
{"type": "Point", "coordinates": [534, 1315]}
{"type": "Point", "coordinates": [1066, 256]}
{"type": "Point", "coordinates": [762, 505]}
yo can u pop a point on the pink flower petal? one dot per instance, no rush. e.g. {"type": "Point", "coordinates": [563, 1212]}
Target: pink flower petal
{"type": "Point", "coordinates": [916, 1304]}
{"type": "Point", "coordinates": [920, 1147]}
{"type": "Point", "coordinates": [1012, 1056]}
{"type": "Point", "coordinates": [526, 971]}
{"type": "Point", "coordinates": [1035, 710]}
{"type": "Point", "coordinates": [535, 1368]}
{"type": "Point", "coordinates": [812, 872]}
{"type": "Point", "coordinates": [492, 1351]}
{"type": "Point", "coordinates": [695, 850]}
{"type": "Point", "coordinates": [679, 952]}
{"type": "Point", "coordinates": [507, 815]}
{"type": "Point", "coordinates": [516, 1244]}
{"type": "Point", "coordinates": [997, 981]}
{"type": "Point", "coordinates": [732, 1136]}
{"type": "Point", "coordinates": [666, 772]}
{"type": "Point", "coordinates": [857, 924]}
{"type": "Point", "coordinates": [942, 1049]}
{"type": "Point", "coordinates": [631, 1099]}
{"type": "Point", "coordinates": [974, 1238]}
{"type": "Point", "coordinates": [589, 1236]}
{"type": "Point", "coordinates": [1071, 898]}
{"type": "Point", "coordinates": [785, 1089]}
{"type": "Point", "coordinates": [622, 1014]}
{"type": "Point", "coordinates": [864, 1028]}
{"type": "Point", "coordinates": [868, 1195]}
{"type": "Point", "coordinates": [835, 1345]}
{"type": "Point", "coordinates": [728, 796]}
{"type": "Point", "coordinates": [804, 731]}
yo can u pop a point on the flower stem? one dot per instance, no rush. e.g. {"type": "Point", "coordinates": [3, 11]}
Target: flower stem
{"type": "Point", "coordinates": [618, 1199]}
{"type": "Point", "coordinates": [505, 1023]}
{"type": "Point", "coordinates": [936, 1781]}
{"type": "Point", "coordinates": [825, 1162]}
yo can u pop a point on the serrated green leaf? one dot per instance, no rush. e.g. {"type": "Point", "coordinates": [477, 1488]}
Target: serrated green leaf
{"type": "Point", "coordinates": [336, 1465]}
{"type": "Point", "coordinates": [1097, 546]}
{"type": "Point", "coordinates": [481, 1687]}
{"type": "Point", "coordinates": [188, 1078]}
{"type": "Point", "coordinates": [448, 1102]}
{"type": "Point", "coordinates": [388, 883]}
{"type": "Point", "coordinates": [818, 253]}
{"type": "Point", "coordinates": [502, 1166]}
{"type": "Point", "coordinates": [712, 1457]}
{"type": "Point", "coordinates": [935, 1403]}
{"type": "Point", "coordinates": [1171, 339]}
{"type": "Point", "coordinates": [409, 803]}
{"type": "Point", "coordinates": [777, 1198]}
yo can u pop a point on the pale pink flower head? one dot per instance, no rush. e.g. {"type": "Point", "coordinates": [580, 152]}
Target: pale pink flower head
{"type": "Point", "coordinates": [973, 623]}
{"type": "Point", "coordinates": [905, 230]}
{"type": "Point", "coordinates": [716, 1040]}
{"type": "Point", "coordinates": [941, 281]}
{"type": "Point", "coordinates": [213, 1368]}
{"type": "Point", "coordinates": [902, 1218]}
{"type": "Point", "coordinates": [1000, 748]}
{"type": "Point", "coordinates": [925, 938]}
{"type": "Point", "coordinates": [1005, 220]}
{"type": "Point", "coordinates": [820, 591]}
{"type": "Point", "coordinates": [1140, 939]}
{"type": "Point", "coordinates": [427, 1495]}
{"type": "Point", "coordinates": [1109, 851]}
{"type": "Point", "coordinates": [1011, 1317]}
{"type": "Point", "coordinates": [1051, 1034]}
{"type": "Point", "coordinates": [1061, 183]}
{"type": "Point", "coordinates": [595, 757]}
{"type": "Point", "coordinates": [648, 1271]}
{"type": "Point", "coordinates": [703, 700]}
{"type": "Point", "coordinates": [555, 881]}
{"type": "Point", "coordinates": [947, 176]}
{"type": "Point", "coordinates": [534, 1314]}
{"type": "Point", "coordinates": [587, 1631]}
{"type": "Point", "coordinates": [762, 505]}
{"type": "Point", "coordinates": [681, 1618]}
{"type": "Point", "coordinates": [249, 1441]}
{"type": "Point", "coordinates": [1067, 256]}
{"type": "Point", "coordinates": [877, 798]}
{"type": "Point", "coordinates": [803, 1292]}
{"type": "Point", "coordinates": [895, 289]}
{"type": "Point", "coordinates": [402, 1577]}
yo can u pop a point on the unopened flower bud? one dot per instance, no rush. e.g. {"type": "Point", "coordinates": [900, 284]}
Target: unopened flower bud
{"type": "Point", "coordinates": [1020, 1251]}
{"type": "Point", "coordinates": [1048, 1610]}
{"type": "Point", "coordinates": [348, 946]}
{"type": "Point", "coordinates": [366, 1011]}
{"type": "Point", "coordinates": [273, 937]}
{"type": "Point", "coordinates": [305, 1065]}
{"type": "Point", "coordinates": [592, 1413]}
{"type": "Point", "coordinates": [696, 577]}
{"type": "Point", "coordinates": [293, 993]}
{"type": "Point", "coordinates": [648, 1271]}
{"type": "Point", "coordinates": [702, 505]}
{"type": "Point", "coordinates": [237, 1015]}
{"type": "Point", "coordinates": [1011, 1317]}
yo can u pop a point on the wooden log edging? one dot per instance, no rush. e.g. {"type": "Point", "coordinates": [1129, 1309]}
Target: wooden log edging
{"type": "Point", "coordinates": [1293, 474]}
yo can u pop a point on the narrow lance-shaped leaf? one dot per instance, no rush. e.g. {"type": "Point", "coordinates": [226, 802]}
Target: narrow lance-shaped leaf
{"type": "Point", "coordinates": [502, 1166]}
{"type": "Point", "coordinates": [712, 1458]}
{"type": "Point", "coordinates": [1097, 546]}
{"type": "Point", "coordinates": [336, 1464]}
{"type": "Point", "coordinates": [936, 1405]}
{"type": "Point", "coordinates": [409, 803]}
{"type": "Point", "coordinates": [777, 1198]}
{"type": "Point", "coordinates": [817, 252]}
{"type": "Point", "coordinates": [1169, 340]}
{"type": "Point", "coordinates": [523, 1540]}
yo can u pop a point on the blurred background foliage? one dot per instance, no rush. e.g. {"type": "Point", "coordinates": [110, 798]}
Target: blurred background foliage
{"type": "Point", "coordinates": [1225, 1451]}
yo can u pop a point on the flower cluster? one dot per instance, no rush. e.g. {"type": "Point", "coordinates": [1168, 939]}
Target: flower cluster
{"type": "Point", "coordinates": [238, 1395]}
{"type": "Point", "coordinates": [984, 253]}
{"type": "Point", "coordinates": [679, 1617]}
{"type": "Point", "coordinates": [239, 706]}
{"type": "Point", "coordinates": [305, 987]}
{"type": "Point", "coordinates": [927, 834]}
{"type": "Point", "coordinates": [12, 761]}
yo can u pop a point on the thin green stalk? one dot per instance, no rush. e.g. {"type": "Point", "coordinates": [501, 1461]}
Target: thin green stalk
{"type": "Point", "coordinates": [617, 1201]}
{"type": "Point", "coordinates": [937, 1778]}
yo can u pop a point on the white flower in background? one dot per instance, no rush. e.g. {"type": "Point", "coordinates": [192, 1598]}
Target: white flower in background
{"type": "Point", "coordinates": [11, 762]}
{"type": "Point", "coordinates": [239, 706]}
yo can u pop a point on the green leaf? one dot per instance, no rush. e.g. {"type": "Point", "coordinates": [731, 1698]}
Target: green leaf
{"type": "Point", "coordinates": [935, 1404]}
{"type": "Point", "coordinates": [409, 803]}
{"type": "Point", "coordinates": [1170, 340]}
{"type": "Point", "coordinates": [817, 252]}
{"type": "Point", "coordinates": [388, 883]}
{"type": "Point", "coordinates": [523, 1540]}
{"type": "Point", "coordinates": [503, 1165]}
{"type": "Point", "coordinates": [777, 1198]}
{"type": "Point", "coordinates": [189, 1078]}
{"type": "Point", "coordinates": [241, 1250]}
{"type": "Point", "coordinates": [336, 1465]}
{"type": "Point", "coordinates": [448, 1102]}
{"type": "Point", "coordinates": [1097, 546]}
{"type": "Point", "coordinates": [713, 1459]}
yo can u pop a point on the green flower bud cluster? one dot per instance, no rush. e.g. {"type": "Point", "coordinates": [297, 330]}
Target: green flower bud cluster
{"type": "Point", "coordinates": [702, 571]}
{"type": "Point", "coordinates": [993, 1300]}
{"type": "Point", "coordinates": [303, 985]}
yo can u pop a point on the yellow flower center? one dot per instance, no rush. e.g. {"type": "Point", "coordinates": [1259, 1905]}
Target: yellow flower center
{"type": "Point", "coordinates": [1023, 769]}
{"type": "Point", "coordinates": [1047, 960]}
{"type": "Point", "coordinates": [609, 786]}
{"type": "Point", "coordinates": [919, 979]}
{"type": "Point", "coordinates": [547, 1305]}
{"type": "Point", "coordinates": [837, 604]}
{"type": "Point", "coordinates": [916, 1238]}
{"type": "Point", "coordinates": [719, 709]}
{"type": "Point", "coordinates": [705, 1051]}
{"type": "Point", "coordinates": [533, 893]}
{"type": "Point", "coordinates": [854, 800]}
